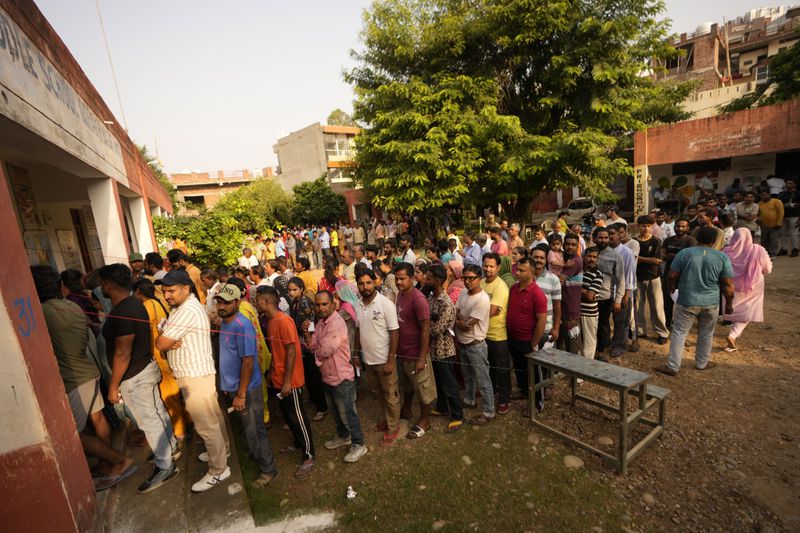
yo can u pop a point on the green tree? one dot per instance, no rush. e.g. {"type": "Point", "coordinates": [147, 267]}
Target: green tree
{"type": "Point", "coordinates": [257, 206]}
{"type": "Point", "coordinates": [340, 118]}
{"type": "Point", "coordinates": [155, 166]}
{"type": "Point", "coordinates": [500, 99]}
{"type": "Point", "coordinates": [783, 80]}
{"type": "Point", "coordinates": [212, 239]}
{"type": "Point", "coordinates": [316, 203]}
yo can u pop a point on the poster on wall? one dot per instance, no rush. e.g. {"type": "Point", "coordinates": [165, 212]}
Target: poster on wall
{"type": "Point", "coordinates": [70, 252]}
{"type": "Point", "coordinates": [37, 245]}
{"type": "Point", "coordinates": [24, 198]}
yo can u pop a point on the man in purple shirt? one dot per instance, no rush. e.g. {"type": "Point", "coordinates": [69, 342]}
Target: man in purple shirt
{"type": "Point", "coordinates": [331, 347]}
{"type": "Point", "coordinates": [413, 316]}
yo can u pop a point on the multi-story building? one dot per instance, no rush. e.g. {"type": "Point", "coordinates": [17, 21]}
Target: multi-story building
{"type": "Point", "coordinates": [731, 59]}
{"type": "Point", "coordinates": [318, 150]}
{"type": "Point", "coordinates": [206, 188]}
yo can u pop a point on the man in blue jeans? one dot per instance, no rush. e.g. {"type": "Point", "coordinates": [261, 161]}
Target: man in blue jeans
{"type": "Point", "coordinates": [699, 273]}
{"type": "Point", "coordinates": [331, 347]}
{"type": "Point", "coordinates": [240, 378]}
{"type": "Point", "coordinates": [135, 374]}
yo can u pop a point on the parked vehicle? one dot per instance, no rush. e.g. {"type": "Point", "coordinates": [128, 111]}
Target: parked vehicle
{"type": "Point", "coordinates": [578, 208]}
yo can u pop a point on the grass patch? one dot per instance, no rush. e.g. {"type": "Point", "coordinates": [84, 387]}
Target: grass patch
{"type": "Point", "coordinates": [514, 480]}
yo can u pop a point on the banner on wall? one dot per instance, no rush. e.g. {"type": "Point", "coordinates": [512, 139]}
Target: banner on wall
{"type": "Point", "coordinates": [640, 192]}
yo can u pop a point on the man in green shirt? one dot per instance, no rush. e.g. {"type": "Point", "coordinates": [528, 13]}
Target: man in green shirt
{"type": "Point", "coordinates": [69, 335]}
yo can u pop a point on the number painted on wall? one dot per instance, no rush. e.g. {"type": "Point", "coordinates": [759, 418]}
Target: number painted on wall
{"type": "Point", "coordinates": [26, 321]}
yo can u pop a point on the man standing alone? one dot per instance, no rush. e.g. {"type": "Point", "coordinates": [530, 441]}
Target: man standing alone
{"type": "Point", "coordinates": [649, 281]}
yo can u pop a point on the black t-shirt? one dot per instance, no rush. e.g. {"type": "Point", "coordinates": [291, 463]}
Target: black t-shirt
{"type": "Point", "coordinates": [673, 245]}
{"type": "Point", "coordinates": [649, 248]}
{"type": "Point", "coordinates": [129, 317]}
{"type": "Point", "coordinates": [791, 203]}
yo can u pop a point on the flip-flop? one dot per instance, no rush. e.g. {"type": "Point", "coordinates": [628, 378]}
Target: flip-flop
{"type": "Point", "coordinates": [289, 449]}
{"type": "Point", "coordinates": [108, 482]}
{"type": "Point", "coordinates": [415, 433]}
{"type": "Point", "coordinates": [388, 439]}
{"type": "Point", "coordinates": [731, 350]}
{"type": "Point", "coordinates": [454, 426]}
{"type": "Point", "coordinates": [319, 416]}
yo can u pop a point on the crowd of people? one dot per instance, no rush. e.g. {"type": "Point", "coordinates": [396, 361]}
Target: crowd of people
{"type": "Point", "coordinates": [167, 343]}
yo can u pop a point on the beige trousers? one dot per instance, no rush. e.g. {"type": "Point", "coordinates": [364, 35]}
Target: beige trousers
{"type": "Point", "coordinates": [200, 396]}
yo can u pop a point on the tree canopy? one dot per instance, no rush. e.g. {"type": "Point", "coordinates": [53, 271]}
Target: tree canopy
{"type": "Point", "coordinates": [783, 83]}
{"type": "Point", "coordinates": [316, 203]}
{"type": "Point", "coordinates": [257, 206]}
{"type": "Point", "coordinates": [502, 99]}
{"type": "Point", "coordinates": [340, 118]}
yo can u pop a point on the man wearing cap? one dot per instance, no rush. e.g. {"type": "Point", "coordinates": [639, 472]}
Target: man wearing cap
{"type": "Point", "coordinates": [178, 260]}
{"type": "Point", "coordinates": [186, 339]}
{"type": "Point", "coordinates": [136, 261]}
{"type": "Point", "coordinates": [240, 378]}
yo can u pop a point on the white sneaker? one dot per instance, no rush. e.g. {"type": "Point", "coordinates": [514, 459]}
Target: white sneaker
{"type": "Point", "coordinates": [209, 482]}
{"type": "Point", "coordinates": [337, 442]}
{"type": "Point", "coordinates": [357, 451]}
{"type": "Point", "coordinates": [203, 457]}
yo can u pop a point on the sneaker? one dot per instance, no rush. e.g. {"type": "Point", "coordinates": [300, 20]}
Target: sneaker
{"type": "Point", "coordinates": [158, 478]}
{"type": "Point", "coordinates": [337, 442]}
{"type": "Point", "coordinates": [210, 481]}
{"type": "Point", "coordinates": [666, 370]}
{"type": "Point", "coordinates": [357, 451]}
{"type": "Point", "coordinates": [176, 454]}
{"type": "Point", "coordinates": [203, 457]}
{"type": "Point", "coordinates": [503, 408]}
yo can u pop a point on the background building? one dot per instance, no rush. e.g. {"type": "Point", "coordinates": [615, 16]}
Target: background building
{"type": "Point", "coordinates": [74, 193]}
{"type": "Point", "coordinates": [731, 59]}
{"type": "Point", "coordinates": [206, 188]}
{"type": "Point", "coordinates": [316, 151]}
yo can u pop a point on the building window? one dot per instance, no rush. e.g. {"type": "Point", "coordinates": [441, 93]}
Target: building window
{"type": "Point", "coordinates": [339, 147]}
{"type": "Point", "coordinates": [341, 175]}
{"type": "Point", "coordinates": [197, 200]}
{"type": "Point", "coordinates": [762, 74]}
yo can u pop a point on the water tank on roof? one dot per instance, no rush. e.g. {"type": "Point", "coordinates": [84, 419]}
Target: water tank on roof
{"type": "Point", "coordinates": [703, 28]}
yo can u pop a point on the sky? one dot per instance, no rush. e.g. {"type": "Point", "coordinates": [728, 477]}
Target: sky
{"type": "Point", "coordinates": [214, 84]}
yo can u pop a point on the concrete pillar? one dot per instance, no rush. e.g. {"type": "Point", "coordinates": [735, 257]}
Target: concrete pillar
{"type": "Point", "coordinates": [108, 217]}
{"type": "Point", "coordinates": [141, 225]}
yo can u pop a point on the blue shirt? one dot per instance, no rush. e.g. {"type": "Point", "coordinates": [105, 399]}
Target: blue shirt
{"type": "Point", "coordinates": [237, 339]}
{"type": "Point", "coordinates": [701, 269]}
{"type": "Point", "coordinates": [473, 255]}
{"type": "Point", "coordinates": [280, 248]}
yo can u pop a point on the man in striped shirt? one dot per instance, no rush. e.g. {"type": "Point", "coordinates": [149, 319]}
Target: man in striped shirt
{"type": "Point", "coordinates": [186, 339]}
{"type": "Point", "coordinates": [592, 285]}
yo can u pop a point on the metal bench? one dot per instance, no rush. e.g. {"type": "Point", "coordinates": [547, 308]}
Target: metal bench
{"type": "Point", "coordinates": [624, 381]}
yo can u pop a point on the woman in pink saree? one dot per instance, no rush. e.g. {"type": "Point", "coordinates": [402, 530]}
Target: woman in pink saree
{"type": "Point", "coordinates": [750, 263]}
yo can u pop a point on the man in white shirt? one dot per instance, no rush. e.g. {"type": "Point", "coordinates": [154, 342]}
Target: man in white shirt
{"type": "Point", "coordinates": [376, 343]}
{"type": "Point", "coordinates": [471, 327]}
{"type": "Point", "coordinates": [186, 340]}
{"type": "Point", "coordinates": [407, 254]}
{"type": "Point", "coordinates": [776, 185]}
{"type": "Point", "coordinates": [247, 259]}
{"type": "Point", "coordinates": [614, 218]}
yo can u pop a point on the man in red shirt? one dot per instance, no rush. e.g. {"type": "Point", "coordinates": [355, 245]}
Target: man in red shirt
{"type": "Point", "coordinates": [525, 321]}
{"type": "Point", "coordinates": [287, 376]}
{"type": "Point", "coordinates": [413, 316]}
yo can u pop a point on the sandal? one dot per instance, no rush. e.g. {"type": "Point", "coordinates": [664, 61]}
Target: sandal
{"type": "Point", "coordinates": [436, 412]}
{"type": "Point", "coordinates": [454, 426]}
{"type": "Point", "coordinates": [262, 481]}
{"type": "Point", "coordinates": [480, 420]}
{"type": "Point", "coordinates": [106, 483]}
{"type": "Point", "coordinates": [666, 370]}
{"type": "Point", "coordinates": [319, 416]}
{"type": "Point", "coordinates": [708, 366]}
{"type": "Point", "coordinates": [289, 449]}
{"type": "Point", "coordinates": [415, 433]}
{"type": "Point", "coordinates": [389, 438]}
{"type": "Point", "coordinates": [305, 468]}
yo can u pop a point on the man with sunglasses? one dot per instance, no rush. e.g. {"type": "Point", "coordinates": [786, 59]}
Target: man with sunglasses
{"type": "Point", "coordinates": [472, 324]}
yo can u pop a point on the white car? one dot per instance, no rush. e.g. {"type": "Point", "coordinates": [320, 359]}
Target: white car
{"type": "Point", "coordinates": [579, 208]}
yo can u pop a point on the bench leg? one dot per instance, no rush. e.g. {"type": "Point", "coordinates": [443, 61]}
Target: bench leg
{"type": "Point", "coordinates": [623, 432]}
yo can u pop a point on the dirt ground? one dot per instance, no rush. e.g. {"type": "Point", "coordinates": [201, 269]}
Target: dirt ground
{"type": "Point", "coordinates": [728, 459]}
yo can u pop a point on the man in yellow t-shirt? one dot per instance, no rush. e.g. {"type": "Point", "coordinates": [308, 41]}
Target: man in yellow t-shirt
{"type": "Point", "coordinates": [770, 217]}
{"type": "Point", "coordinates": [497, 335]}
{"type": "Point", "coordinates": [334, 242]}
